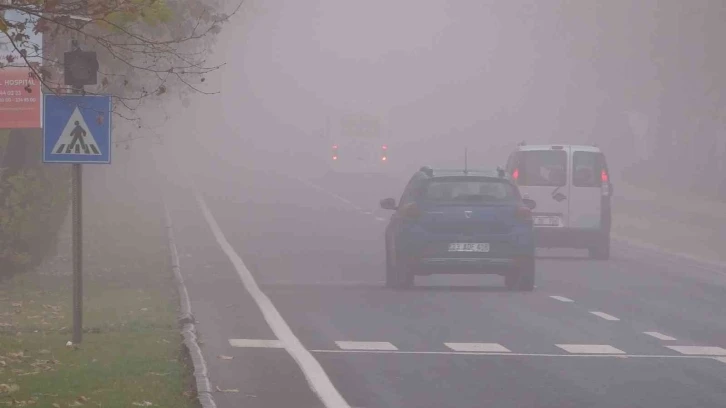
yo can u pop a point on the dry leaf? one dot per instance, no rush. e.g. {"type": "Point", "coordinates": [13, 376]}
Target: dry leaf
{"type": "Point", "coordinates": [226, 357]}
{"type": "Point", "coordinates": [231, 390]}
{"type": "Point", "coordinates": [9, 389]}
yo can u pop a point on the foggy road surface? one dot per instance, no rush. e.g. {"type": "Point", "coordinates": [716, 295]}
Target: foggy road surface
{"type": "Point", "coordinates": [636, 331]}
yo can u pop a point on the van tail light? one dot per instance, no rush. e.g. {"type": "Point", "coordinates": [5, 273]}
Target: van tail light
{"type": "Point", "coordinates": [335, 157]}
{"type": "Point", "coordinates": [605, 189]}
{"type": "Point", "coordinates": [524, 214]}
{"type": "Point", "coordinates": [515, 174]}
{"type": "Point", "coordinates": [384, 158]}
{"type": "Point", "coordinates": [411, 211]}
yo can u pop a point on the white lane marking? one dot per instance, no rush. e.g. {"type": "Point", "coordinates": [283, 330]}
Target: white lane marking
{"type": "Point", "coordinates": [317, 378]}
{"type": "Point", "coordinates": [562, 298]}
{"type": "Point", "coordinates": [721, 359]}
{"type": "Point", "coordinates": [605, 316]}
{"type": "Point", "coordinates": [380, 219]}
{"type": "Point", "coordinates": [366, 345]}
{"type": "Point", "coordinates": [589, 349]}
{"type": "Point", "coordinates": [465, 353]}
{"type": "Point", "coordinates": [256, 343]}
{"type": "Point", "coordinates": [478, 347]}
{"type": "Point", "coordinates": [660, 336]}
{"type": "Point", "coordinates": [699, 350]}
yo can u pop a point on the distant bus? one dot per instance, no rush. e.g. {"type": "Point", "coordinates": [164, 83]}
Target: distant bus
{"type": "Point", "coordinates": [358, 144]}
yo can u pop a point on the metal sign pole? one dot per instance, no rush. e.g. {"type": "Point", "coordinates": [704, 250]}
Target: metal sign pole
{"type": "Point", "coordinates": [77, 187]}
{"type": "Point", "coordinates": [77, 253]}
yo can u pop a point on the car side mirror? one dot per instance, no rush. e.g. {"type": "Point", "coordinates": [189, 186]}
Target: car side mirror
{"type": "Point", "coordinates": [389, 204]}
{"type": "Point", "coordinates": [529, 203]}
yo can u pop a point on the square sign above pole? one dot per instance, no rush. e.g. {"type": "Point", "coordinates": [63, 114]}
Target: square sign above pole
{"type": "Point", "coordinates": [77, 129]}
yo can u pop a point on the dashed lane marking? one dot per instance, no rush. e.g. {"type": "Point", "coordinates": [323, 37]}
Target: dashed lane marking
{"type": "Point", "coordinates": [478, 347]}
{"type": "Point", "coordinates": [699, 350]}
{"type": "Point", "coordinates": [605, 316]}
{"type": "Point", "coordinates": [562, 298]}
{"type": "Point", "coordinates": [590, 349]}
{"type": "Point", "coordinates": [660, 336]}
{"type": "Point", "coordinates": [366, 345]}
{"type": "Point", "coordinates": [255, 343]}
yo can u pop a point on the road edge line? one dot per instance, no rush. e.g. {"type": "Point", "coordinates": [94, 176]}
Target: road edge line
{"type": "Point", "coordinates": [706, 264]}
{"type": "Point", "coordinates": [186, 321]}
{"type": "Point", "coordinates": [316, 377]}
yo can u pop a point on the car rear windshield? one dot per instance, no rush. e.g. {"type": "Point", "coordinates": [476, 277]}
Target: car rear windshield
{"type": "Point", "coordinates": [542, 168]}
{"type": "Point", "coordinates": [587, 169]}
{"type": "Point", "coordinates": [469, 190]}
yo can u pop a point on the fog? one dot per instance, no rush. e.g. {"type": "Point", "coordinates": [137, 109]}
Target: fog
{"type": "Point", "coordinates": [639, 79]}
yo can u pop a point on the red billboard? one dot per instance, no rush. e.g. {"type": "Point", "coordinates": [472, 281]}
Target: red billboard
{"type": "Point", "coordinates": [20, 98]}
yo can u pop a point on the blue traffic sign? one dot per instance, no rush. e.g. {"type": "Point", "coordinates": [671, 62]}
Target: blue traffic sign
{"type": "Point", "coordinates": [77, 129]}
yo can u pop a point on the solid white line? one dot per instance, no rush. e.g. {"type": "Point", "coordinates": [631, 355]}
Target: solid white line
{"type": "Point", "coordinates": [699, 350]}
{"type": "Point", "coordinates": [464, 353]}
{"type": "Point", "coordinates": [366, 345]}
{"type": "Point", "coordinates": [660, 336]}
{"type": "Point", "coordinates": [562, 298]}
{"type": "Point", "coordinates": [589, 349]}
{"type": "Point", "coordinates": [317, 378]}
{"type": "Point", "coordinates": [605, 316]}
{"type": "Point", "coordinates": [478, 347]}
{"type": "Point", "coordinates": [256, 343]}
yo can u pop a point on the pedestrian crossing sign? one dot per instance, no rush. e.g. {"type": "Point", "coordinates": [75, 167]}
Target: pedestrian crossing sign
{"type": "Point", "coordinates": [77, 129]}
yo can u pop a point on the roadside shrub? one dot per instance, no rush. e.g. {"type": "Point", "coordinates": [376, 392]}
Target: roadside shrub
{"type": "Point", "coordinates": [33, 206]}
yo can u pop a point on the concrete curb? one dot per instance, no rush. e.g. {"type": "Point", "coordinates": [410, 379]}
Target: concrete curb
{"type": "Point", "coordinates": [186, 321]}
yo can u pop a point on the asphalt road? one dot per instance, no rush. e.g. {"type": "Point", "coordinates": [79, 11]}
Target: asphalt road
{"type": "Point", "coordinates": [314, 246]}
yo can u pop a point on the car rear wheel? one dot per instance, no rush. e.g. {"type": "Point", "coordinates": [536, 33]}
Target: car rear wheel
{"type": "Point", "coordinates": [398, 276]}
{"type": "Point", "coordinates": [522, 278]}
{"type": "Point", "coordinates": [602, 250]}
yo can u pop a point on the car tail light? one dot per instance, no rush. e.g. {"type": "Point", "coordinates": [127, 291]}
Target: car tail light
{"type": "Point", "coordinates": [411, 211]}
{"type": "Point", "coordinates": [384, 158]}
{"type": "Point", "coordinates": [335, 152]}
{"type": "Point", "coordinates": [335, 157]}
{"type": "Point", "coordinates": [524, 214]}
{"type": "Point", "coordinates": [604, 176]}
{"type": "Point", "coordinates": [515, 174]}
{"type": "Point", "coordinates": [384, 147]}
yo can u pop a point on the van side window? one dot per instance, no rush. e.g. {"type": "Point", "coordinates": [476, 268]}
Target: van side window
{"type": "Point", "coordinates": [546, 168]}
{"type": "Point", "coordinates": [587, 169]}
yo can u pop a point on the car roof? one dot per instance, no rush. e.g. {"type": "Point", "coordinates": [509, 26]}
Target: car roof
{"type": "Point", "coordinates": [438, 173]}
{"type": "Point", "coordinates": [580, 148]}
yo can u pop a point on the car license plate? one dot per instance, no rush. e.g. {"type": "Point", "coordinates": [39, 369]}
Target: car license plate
{"type": "Point", "coordinates": [546, 221]}
{"type": "Point", "coordinates": [468, 247]}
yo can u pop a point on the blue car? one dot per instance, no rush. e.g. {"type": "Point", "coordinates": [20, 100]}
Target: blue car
{"type": "Point", "coordinates": [460, 222]}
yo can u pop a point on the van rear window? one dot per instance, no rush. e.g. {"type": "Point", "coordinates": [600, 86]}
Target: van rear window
{"type": "Point", "coordinates": [587, 169]}
{"type": "Point", "coordinates": [541, 168]}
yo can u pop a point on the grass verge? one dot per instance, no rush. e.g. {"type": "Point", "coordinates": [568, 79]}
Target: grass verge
{"type": "Point", "coordinates": [131, 354]}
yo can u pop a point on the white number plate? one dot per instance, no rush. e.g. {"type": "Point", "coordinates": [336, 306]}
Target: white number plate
{"type": "Point", "coordinates": [467, 247]}
{"type": "Point", "coordinates": [547, 221]}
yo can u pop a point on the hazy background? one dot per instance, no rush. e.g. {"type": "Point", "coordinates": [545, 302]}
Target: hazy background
{"type": "Point", "coordinates": [644, 80]}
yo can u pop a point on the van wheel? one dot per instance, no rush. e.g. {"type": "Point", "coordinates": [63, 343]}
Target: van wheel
{"type": "Point", "coordinates": [522, 278]}
{"type": "Point", "coordinates": [397, 276]}
{"type": "Point", "coordinates": [602, 251]}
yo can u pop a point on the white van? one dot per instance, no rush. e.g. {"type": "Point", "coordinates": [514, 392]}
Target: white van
{"type": "Point", "coordinates": [572, 189]}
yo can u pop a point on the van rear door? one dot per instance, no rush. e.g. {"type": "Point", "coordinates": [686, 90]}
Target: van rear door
{"type": "Point", "coordinates": [542, 176]}
{"type": "Point", "coordinates": [589, 173]}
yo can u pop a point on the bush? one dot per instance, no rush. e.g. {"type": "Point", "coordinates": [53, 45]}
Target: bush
{"type": "Point", "coordinates": [33, 206]}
